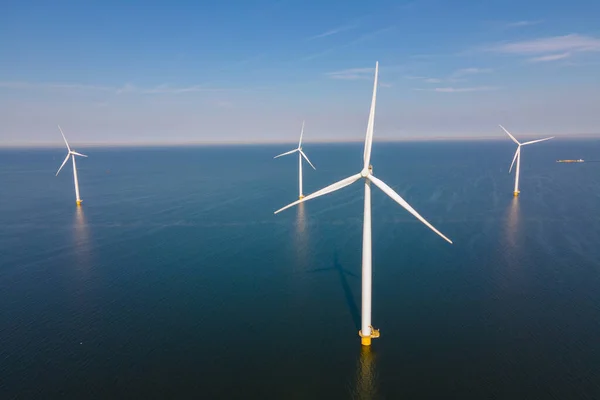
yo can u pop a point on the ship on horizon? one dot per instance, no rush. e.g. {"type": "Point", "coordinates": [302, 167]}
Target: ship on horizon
{"type": "Point", "coordinates": [570, 161]}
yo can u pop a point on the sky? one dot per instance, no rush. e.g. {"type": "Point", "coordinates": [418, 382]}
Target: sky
{"type": "Point", "coordinates": [250, 71]}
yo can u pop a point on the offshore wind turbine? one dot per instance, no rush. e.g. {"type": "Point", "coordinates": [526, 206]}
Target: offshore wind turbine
{"type": "Point", "coordinates": [71, 154]}
{"type": "Point", "coordinates": [367, 332]}
{"type": "Point", "coordinates": [300, 155]}
{"type": "Point", "coordinates": [518, 157]}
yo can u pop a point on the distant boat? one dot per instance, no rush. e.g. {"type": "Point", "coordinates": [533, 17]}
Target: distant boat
{"type": "Point", "coordinates": [570, 161]}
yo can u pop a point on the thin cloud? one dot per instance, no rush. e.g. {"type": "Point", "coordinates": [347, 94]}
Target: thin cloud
{"type": "Point", "coordinates": [334, 31]}
{"type": "Point", "coordinates": [568, 43]}
{"type": "Point", "coordinates": [55, 86]}
{"type": "Point", "coordinates": [127, 88]}
{"type": "Point", "coordinates": [456, 76]}
{"type": "Point", "coordinates": [224, 104]}
{"type": "Point", "coordinates": [166, 89]}
{"type": "Point", "coordinates": [471, 71]}
{"type": "Point", "coordinates": [352, 74]}
{"type": "Point", "coordinates": [521, 24]}
{"type": "Point", "coordinates": [550, 57]}
{"type": "Point", "coordinates": [353, 42]}
{"type": "Point", "coordinates": [424, 79]}
{"type": "Point", "coordinates": [459, 90]}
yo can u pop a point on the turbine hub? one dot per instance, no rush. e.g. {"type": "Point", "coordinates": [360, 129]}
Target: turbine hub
{"type": "Point", "coordinates": [367, 171]}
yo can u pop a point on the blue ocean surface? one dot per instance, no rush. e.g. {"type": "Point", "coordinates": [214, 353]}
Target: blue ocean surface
{"type": "Point", "coordinates": [176, 280]}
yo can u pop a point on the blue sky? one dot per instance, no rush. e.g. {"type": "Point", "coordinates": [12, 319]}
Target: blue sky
{"type": "Point", "coordinates": [251, 71]}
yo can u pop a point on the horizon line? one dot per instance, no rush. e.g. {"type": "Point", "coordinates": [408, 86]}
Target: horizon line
{"type": "Point", "coordinates": [280, 142]}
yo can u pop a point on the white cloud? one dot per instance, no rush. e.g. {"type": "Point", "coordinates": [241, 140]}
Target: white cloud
{"type": "Point", "coordinates": [459, 90]}
{"type": "Point", "coordinates": [520, 24]}
{"type": "Point", "coordinates": [550, 57]}
{"type": "Point", "coordinates": [568, 43]}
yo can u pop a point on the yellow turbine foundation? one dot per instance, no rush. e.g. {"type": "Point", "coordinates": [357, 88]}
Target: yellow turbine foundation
{"type": "Point", "coordinates": [365, 340]}
{"type": "Point", "coordinates": [78, 202]}
{"type": "Point", "coordinates": [516, 193]}
{"type": "Point", "coordinates": [301, 197]}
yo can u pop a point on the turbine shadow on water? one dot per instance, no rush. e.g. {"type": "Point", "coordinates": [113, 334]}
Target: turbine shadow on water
{"type": "Point", "coordinates": [343, 273]}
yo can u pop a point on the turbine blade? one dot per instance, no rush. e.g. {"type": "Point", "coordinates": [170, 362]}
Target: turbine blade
{"type": "Point", "coordinates": [64, 138]}
{"type": "Point", "coordinates": [539, 140]}
{"type": "Point", "coordinates": [371, 124]}
{"type": "Point", "coordinates": [306, 158]}
{"type": "Point", "coordinates": [78, 154]}
{"type": "Point", "coordinates": [331, 188]}
{"type": "Point", "coordinates": [63, 164]}
{"type": "Point", "coordinates": [508, 133]}
{"type": "Point", "coordinates": [301, 134]}
{"type": "Point", "coordinates": [395, 196]}
{"type": "Point", "coordinates": [514, 158]}
{"type": "Point", "coordinates": [286, 153]}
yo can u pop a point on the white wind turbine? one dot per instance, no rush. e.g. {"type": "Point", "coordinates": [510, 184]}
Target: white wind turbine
{"type": "Point", "coordinates": [300, 155]}
{"type": "Point", "coordinates": [72, 154]}
{"type": "Point", "coordinates": [367, 332]}
{"type": "Point", "coordinates": [518, 157]}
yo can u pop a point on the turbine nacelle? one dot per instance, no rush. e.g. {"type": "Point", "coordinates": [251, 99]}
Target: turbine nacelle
{"type": "Point", "coordinates": [519, 144]}
{"type": "Point", "coordinates": [69, 152]}
{"type": "Point", "coordinates": [367, 171]}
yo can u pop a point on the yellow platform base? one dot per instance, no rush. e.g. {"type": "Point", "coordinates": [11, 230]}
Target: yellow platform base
{"type": "Point", "coordinates": [300, 197]}
{"type": "Point", "coordinates": [516, 193]}
{"type": "Point", "coordinates": [78, 202]}
{"type": "Point", "coordinates": [365, 340]}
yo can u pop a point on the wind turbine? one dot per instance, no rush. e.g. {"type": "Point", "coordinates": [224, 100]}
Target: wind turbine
{"type": "Point", "coordinates": [300, 155]}
{"type": "Point", "coordinates": [518, 157]}
{"type": "Point", "coordinates": [72, 154]}
{"type": "Point", "coordinates": [367, 332]}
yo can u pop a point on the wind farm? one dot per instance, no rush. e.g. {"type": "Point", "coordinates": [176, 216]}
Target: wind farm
{"type": "Point", "coordinates": [300, 155]}
{"type": "Point", "coordinates": [517, 157]}
{"type": "Point", "coordinates": [203, 255]}
{"type": "Point", "coordinates": [367, 332]}
{"type": "Point", "coordinates": [72, 154]}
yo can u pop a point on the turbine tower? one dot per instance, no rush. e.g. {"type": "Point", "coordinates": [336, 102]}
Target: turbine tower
{"type": "Point", "coordinates": [300, 155]}
{"type": "Point", "coordinates": [367, 332]}
{"type": "Point", "coordinates": [72, 154]}
{"type": "Point", "coordinates": [518, 157]}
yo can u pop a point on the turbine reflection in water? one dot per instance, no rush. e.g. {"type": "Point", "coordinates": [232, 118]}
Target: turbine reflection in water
{"type": "Point", "coordinates": [301, 240]}
{"type": "Point", "coordinates": [512, 250]}
{"type": "Point", "coordinates": [512, 223]}
{"type": "Point", "coordinates": [366, 375]}
{"type": "Point", "coordinates": [81, 242]}
{"type": "Point", "coordinates": [301, 261]}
